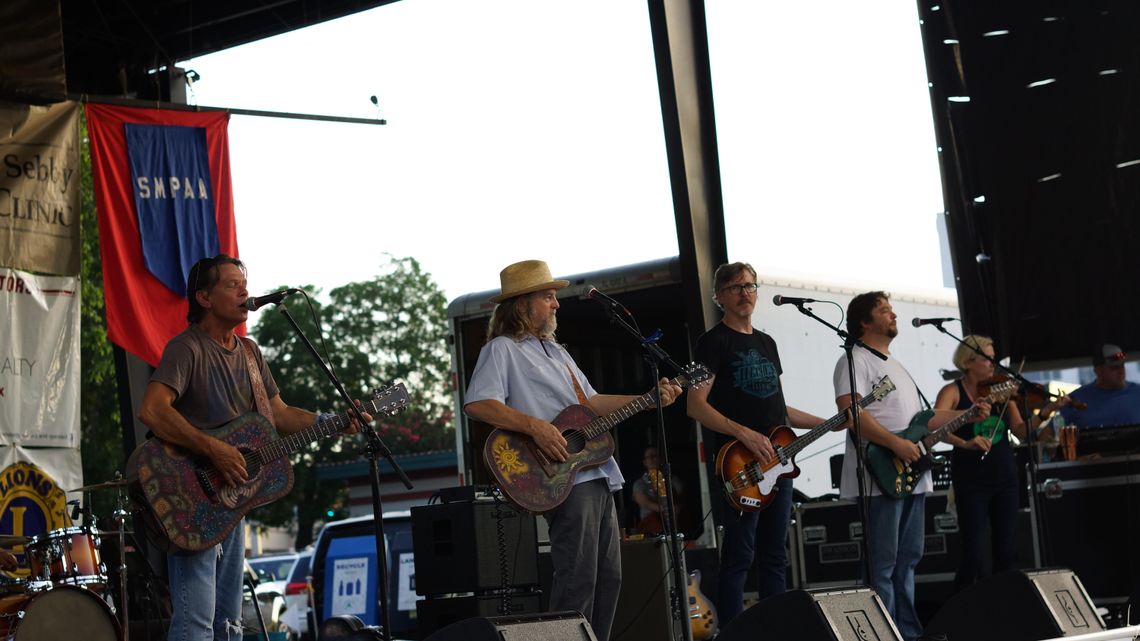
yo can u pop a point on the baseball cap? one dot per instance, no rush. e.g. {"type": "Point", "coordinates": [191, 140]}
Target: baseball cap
{"type": "Point", "coordinates": [1109, 355]}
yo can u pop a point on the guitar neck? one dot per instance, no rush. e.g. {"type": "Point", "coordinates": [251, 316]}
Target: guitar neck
{"type": "Point", "coordinates": [334, 424]}
{"type": "Point", "coordinates": [999, 394]}
{"type": "Point", "coordinates": [829, 425]}
{"type": "Point", "coordinates": [950, 426]}
{"type": "Point", "coordinates": [602, 424]}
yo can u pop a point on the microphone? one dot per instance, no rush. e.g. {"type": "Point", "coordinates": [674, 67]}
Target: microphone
{"type": "Point", "coordinates": [790, 300]}
{"type": "Point", "coordinates": [919, 322]}
{"type": "Point", "coordinates": [596, 294]}
{"type": "Point", "coordinates": [254, 303]}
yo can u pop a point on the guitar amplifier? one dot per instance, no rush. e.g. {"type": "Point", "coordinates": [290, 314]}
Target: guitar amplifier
{"type": "Point", "coordinates": [473, 546]}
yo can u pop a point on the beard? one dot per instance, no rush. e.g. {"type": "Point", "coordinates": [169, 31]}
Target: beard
{"type": "Point", "coordinates": [892, 331]}
{"type": "Point", "coordinates": [547, 328]}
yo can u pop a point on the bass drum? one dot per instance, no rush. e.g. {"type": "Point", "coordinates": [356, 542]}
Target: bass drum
{"type": "Point", "coordinates": [63, 612]}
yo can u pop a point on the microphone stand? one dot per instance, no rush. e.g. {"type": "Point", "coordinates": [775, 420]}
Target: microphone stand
{"type": "Point", "coordinates": [849, 344]}
{"type": "Point", "coordinates": [1031, 437]}
{"type": "Point", "coordinates": [654, 356]}
{"type": "Point", "coordinates": [375, 448]}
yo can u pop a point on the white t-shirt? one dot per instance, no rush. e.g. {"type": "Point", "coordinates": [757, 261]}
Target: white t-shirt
{"type": "Point", "coordinates": [894, 411]}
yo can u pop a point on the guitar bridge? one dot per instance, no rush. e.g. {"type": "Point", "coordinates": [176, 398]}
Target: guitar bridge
{"type": "Point", "coordinates": [206, 484]}
{"type": "Point", "coordinates": [543, 462]}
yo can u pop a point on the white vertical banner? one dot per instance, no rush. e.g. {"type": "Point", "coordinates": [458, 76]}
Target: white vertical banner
{"type": "Point", "coordinates": [39, 360]}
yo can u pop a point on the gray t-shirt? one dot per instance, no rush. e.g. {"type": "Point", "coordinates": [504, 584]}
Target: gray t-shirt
{"type": "Point", "coordinates": [211, 382]}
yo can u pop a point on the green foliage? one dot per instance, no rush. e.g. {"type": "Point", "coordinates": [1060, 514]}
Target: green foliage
{"type": "Point", "coordinates": [102, 438]}
{"type": "Point", "coordinates": [387, 329]}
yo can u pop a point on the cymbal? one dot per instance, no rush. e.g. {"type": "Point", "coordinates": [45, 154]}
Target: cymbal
{"type": "Point", "coordinates": [8, 540]}
{"type": "Point", "coordinates": [105, 485]}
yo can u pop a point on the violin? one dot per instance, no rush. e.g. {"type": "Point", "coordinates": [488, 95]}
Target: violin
{"type": "Point", "coordinates": [1034, 395]}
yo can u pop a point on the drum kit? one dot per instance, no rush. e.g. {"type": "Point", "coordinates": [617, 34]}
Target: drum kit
{"type": "Point", "coordinates": [66, 591]}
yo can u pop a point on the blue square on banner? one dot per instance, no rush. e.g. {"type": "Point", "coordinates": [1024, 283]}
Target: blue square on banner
{"type": "Point", "coordinates": [174, 199]}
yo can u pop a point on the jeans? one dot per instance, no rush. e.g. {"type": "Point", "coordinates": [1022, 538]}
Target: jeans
{"type": "Point", "coordinates": [762, 536]}
{"type": "Point", "coordinates": [981, 504]}
{"type": "Point", "coordinates": [205, 591]}
{"type": "Point", "coordinates": [585, 549]}
{"type": "Point", "coordinates": [895, 546]}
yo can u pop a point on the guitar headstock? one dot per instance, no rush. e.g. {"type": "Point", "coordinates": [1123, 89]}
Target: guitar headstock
{"type": "Point", "coordinates": [694, 375]}
{"type": "Point", "coordinates": [882, 388]}
{"type": "Point", "coordinates": [1002, 392]}
{"type": "Point", "coordinates": [390, 400]}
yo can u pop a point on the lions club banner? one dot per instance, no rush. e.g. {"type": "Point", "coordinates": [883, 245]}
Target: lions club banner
{"type": "Point", "coordinates": [39, 360]}
{"type": "Point", "coordinates": [162, 189]}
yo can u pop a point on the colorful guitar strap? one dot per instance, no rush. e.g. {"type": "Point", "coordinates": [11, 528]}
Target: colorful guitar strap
{"type": "Point", "coordinates": [260, 397]}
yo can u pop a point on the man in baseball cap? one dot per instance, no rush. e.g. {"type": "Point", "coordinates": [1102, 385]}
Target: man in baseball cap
{"type": "Point", "coordinates": [1111, 399]}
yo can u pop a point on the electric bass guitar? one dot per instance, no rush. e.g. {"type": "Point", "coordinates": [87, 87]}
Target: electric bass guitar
{"type": "Point", "coordinates": [538, 484]}
{"type": "Point", "coordinates": [186, 502]}
{"type": "Point", "coordinates": [897, 479]}
{"type": "Point", "coordinates": [749, 485]}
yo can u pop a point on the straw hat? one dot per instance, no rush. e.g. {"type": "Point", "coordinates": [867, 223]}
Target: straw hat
{"type": "Point", "coordinates": [526, 277]}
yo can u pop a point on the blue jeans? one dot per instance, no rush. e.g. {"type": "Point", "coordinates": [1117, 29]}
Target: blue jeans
{"type": "Point", "coordinates": [762, 536]}
{"type": "Point", "coordinates": [205, 591]}
{"type": "Point", "coordinates": [895, 546]}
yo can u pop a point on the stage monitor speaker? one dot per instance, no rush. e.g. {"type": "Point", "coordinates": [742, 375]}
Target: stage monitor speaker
{"type": "Point", "coordinates": [548, 626]}
{"type": "Point", "coordinates": [1019, 606]}
{"type": "Point", "coordinates": [814, 615]}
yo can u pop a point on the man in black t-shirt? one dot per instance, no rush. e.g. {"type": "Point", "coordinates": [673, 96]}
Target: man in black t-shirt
{"type": "Point", "coordinates": [744, 402]}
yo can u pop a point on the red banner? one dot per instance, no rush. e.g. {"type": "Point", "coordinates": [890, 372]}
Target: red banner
{"type": "Point", "coordinates": [143, 313]}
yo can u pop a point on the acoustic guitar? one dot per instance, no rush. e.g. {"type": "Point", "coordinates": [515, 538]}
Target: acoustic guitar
{"type": "Point", "coordinates": [184, 499]}
{"type": "Point", "coordinates": [538, 484]}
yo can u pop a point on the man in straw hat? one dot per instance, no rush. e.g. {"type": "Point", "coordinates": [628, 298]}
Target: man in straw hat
{"type": "Point", "coordinates": [522, 380]}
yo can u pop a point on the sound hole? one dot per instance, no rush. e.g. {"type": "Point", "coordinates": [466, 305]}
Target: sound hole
{"type": "Point", "coordinates": [575, 441]}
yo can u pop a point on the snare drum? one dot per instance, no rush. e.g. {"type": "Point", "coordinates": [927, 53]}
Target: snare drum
{"type": "Point", "coordinates": [68, 556]}
{"type": "Point", "coordinates": [64, 612]}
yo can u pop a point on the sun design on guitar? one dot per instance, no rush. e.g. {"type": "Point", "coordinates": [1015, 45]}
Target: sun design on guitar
{"type": "Point", "coordinates": [508, 459]}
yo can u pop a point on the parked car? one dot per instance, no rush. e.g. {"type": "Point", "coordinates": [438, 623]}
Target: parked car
{"type": "Point", "coordinates": [298, 598]}
{"type": "Point", "coordinates": [273, 570]}
{"type": "Point", "coordinates": [272, 604]}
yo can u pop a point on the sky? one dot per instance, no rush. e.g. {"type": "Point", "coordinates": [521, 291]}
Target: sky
{"type": "Point", "coordinates": [523, 129]}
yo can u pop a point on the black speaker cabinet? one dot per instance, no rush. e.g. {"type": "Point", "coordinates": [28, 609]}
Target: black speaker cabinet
{"type": "Point", "coordinates": [473, 546]}
{"type": "Point", "coordinates": [550, 626]}
{"type": "Point", "coordinates": [643, 612]}
{"type": "Point", "coordinates": [438, 613]}
{"type": "Point", "coordinates": [1019, 606]}
{"type": "Point", "coordinates": [815, 615]}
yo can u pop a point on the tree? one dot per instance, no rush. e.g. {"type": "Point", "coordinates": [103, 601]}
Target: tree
{"type": "Point", "coordinates": [387, 329]}
{"type": "Point", "coordinates": [101, 444]}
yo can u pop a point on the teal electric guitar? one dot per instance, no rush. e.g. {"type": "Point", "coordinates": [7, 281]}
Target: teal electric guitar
{"type": "Point", "coordinates": [897, 479]}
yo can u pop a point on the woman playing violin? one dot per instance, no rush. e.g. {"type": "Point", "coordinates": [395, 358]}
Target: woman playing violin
{"type": "Point", "coordinates": [983, 472]}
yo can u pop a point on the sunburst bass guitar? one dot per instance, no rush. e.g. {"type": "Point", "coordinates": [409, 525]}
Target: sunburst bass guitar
{"type": "Point", "coordinates": [538, 484]}
{"type": "Point", "coordinates": [184, 499]}
{"type": "Point", "coordinates": [750, 485]}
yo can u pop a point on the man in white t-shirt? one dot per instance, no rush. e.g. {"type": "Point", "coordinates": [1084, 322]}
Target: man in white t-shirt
{"type": "Point", "coordinates": [894, 526]}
